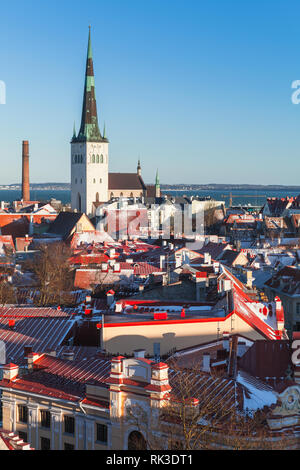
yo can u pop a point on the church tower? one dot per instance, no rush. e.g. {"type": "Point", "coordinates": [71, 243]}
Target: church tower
{"type": "Point", "coordinates": [89, 150]}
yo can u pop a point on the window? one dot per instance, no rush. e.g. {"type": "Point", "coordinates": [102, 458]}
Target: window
{"type": "Point", "coordinates": [69, 424]}
{"type": "Point", "coordinates": [298, 308]}
{"type": "Point", "coordinates": [75, 180]}
{"type": "Point", "coordinates": [100, 180]}
{"type": "Point", "coordinates": [23, 435]}
{"type": "Point", "coordinates": [94, 181]}
{"type": "Point", "coordinates": [97, 159]}
{"type": "Point", "coordinates": [101, 159]}
{"type": "Point", "coordinates": [68, 446]}
{"type": "Point", "coordinates": [45, 419]}
{"type": "Point", "coordinates": [101, 432]}
{"type": "Point", "coordinates": [93, 158]}
{"type": "Point", "coordinates": [81, 159]}
{"type": "Point", "coordinates": [23, 414]}
{"type": "Point", "coordinates": [45, 443]}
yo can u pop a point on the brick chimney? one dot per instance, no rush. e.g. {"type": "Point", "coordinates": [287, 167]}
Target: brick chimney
{"type": "Point", "coordinates": [25, 171]}
{"type": "Point", "coordinates": [10, 371]}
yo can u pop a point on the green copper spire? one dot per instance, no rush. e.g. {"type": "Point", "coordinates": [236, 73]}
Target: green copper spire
{"type": "Point", "coordinates": [157, 179]}
{"type": "Point", "coordinates": [74, 131]}
{"type": "Point", "coordinates": [89, 129]}
{"type": "Point", "coordinates": [90, 54]}
{"type": "Point", "coordinates": [157, 185]}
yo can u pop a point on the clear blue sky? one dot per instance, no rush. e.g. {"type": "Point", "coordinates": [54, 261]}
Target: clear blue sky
{"type": "Point", "coordinates": [199, 89]}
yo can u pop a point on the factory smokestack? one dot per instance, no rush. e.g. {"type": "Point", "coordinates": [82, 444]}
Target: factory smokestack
{"type": "Point", "coordinates": [25, 171]}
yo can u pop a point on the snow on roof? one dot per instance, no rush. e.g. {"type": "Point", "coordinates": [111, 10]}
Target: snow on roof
{"type": "Point", "coordinates": [90, 237]}
{"type": "Point", "coordinates": [256, 393]}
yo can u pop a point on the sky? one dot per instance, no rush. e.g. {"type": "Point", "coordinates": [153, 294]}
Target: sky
{"type": "Point", "coordinates": [200, 90]}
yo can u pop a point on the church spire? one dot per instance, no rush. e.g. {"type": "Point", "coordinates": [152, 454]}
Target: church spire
{"type": "Point", "coordinates": [89, 129]}
{"type": "Point", "coordinates": [157, 185]}
{"type": "Point", "coordinates": [139, 168]}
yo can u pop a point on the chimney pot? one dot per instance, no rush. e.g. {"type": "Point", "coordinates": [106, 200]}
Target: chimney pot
{"type": "Point", "coordinates": [206, 362]}
{"type": "Point", "coordinates": [139, 353]}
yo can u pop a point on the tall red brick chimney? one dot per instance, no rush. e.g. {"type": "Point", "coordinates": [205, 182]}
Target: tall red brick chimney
{"type": "Point", "coordinates": [25, 171]}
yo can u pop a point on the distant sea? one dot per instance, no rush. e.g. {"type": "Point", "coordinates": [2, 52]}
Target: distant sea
{"type": "Point", "coordinates": [255, 197]}
{"type": "Point", "coordinates": [36, 195]}
{"type": "Point", "coordinates": [240, 196]}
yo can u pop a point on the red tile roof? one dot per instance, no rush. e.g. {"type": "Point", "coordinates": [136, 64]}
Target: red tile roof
{"type": "Point", "coordinates": [54, 377]}
{"type": "Point", "coordinates": [43, 334]}
{"type": "Point", "coordinates": [144, 269]}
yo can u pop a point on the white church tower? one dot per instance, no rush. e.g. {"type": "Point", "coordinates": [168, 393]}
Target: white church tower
{"type": "Point", "coordinates": [89, 151]}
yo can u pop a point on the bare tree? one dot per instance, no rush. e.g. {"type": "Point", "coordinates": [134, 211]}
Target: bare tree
{"type": "Point", "coordinates": [53, 273]}
{"type": "Point", "coordinates": [195, 417]}
{"type": "Point", "coordinates": [7, 293]}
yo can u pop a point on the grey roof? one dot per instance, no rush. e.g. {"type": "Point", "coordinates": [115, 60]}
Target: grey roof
{"type": "Point", "coordinates": [64, 224]}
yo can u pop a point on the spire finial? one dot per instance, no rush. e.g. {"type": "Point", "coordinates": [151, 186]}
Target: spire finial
{"type": "Point", "coordinates": [90, 44]}
{"type": "Point", "coordinates": [139, 168]}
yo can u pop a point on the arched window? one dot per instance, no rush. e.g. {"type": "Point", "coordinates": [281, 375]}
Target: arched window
{"type": "Point", "coordinates": [79, 202]}
{"type": "Point", "coordinates": [93, 158]}
{"type": "Point", "coordinates": [75, 158]}
{"type": "Point", "coordinates": [121, 194]}
{"type": "Point", "coordinates": [75, 180]}
{"type": "Point", "coordinates": [136, 441]}
{"type": "Point", "coordinates": [97, 159]}
{"type": "Point", "coordinates": [94, 181]}
{"type": "Point", "coordinates": [97, 197]}
{"type": "Point", "coordinates": [81, 181]}
{"type": "Point", "coordinates": [101, 159]}
{"type": "Point", "coordinates": [100, 181]}
{"type": "Point", "coordinates": [131, 194]}
{"type": "Point", "coordinates": [81, 159]}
